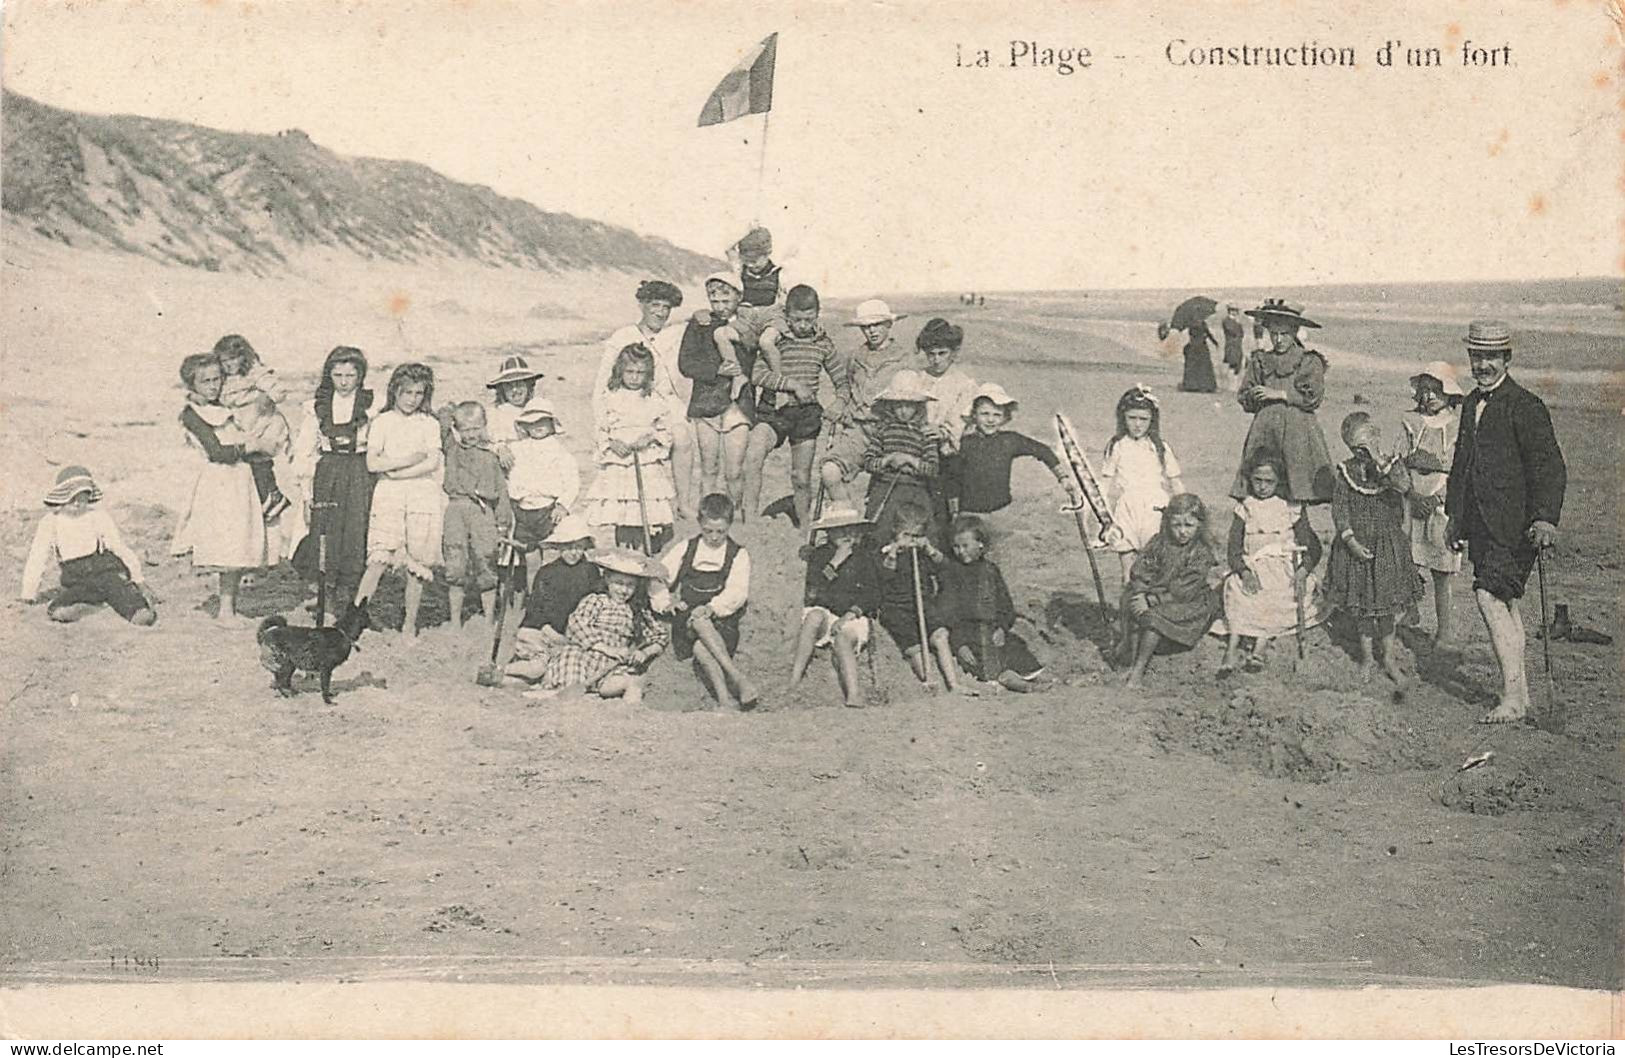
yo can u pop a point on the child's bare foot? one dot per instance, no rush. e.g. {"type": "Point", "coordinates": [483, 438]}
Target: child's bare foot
{"type": "Point", "coordinates": [1505, 713]}
{"type": "Point", "coordinates": [1390, 668]}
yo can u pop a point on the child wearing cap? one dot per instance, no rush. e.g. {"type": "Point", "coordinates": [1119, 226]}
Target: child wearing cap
{"type": "Point", "coordinates": [478, 513]}
{"type": "Point", "coordinates": [1371, 576]}
{"type": "Point", "coordinates": [633, 490]}
{"type": "Point", "coordinates": [842, 591]}
{"type": "Point", "coordinates": [1141, 472]}
{"type": "Point", "coordinates": [981, 480]}
{"type": "Point", "coordinates": [760, 279]}
{"type": "Point", "coordinates": [558, 589]}
{"type": "Point", "coordinates": [902, 459]}
{"type": "Point", "coordinates": [408, 506]}
{"type": "Point", "coordinates": [1430, 448]}
{"type": "Point", "coordinates": [95, 566]}
{"type": "Point", "coordinates": [544, 480]}
{"type": "Point", "coordinates": [710, 586]}
{"type": "Point", "coordinates": [613, 635]}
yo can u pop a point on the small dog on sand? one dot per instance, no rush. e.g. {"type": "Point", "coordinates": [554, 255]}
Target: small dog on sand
{"type": "Point", "coordinates": [285, 648]}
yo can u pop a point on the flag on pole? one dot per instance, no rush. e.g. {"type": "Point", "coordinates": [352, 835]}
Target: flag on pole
{"type": "Point", "coordinates": [748, 88]}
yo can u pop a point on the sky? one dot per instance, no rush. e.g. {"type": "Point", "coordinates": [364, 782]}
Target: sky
{"type": "Point", "coordinates": [890, 167]}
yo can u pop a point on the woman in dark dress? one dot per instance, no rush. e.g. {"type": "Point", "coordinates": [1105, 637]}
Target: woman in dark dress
{"type": "Point", "coordinates": [332, 455]}
{"type": "Point", "coordinates": [1199, 377]}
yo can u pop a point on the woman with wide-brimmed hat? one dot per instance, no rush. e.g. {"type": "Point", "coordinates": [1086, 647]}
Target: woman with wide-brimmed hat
{"type": "Point", "coordinates": [1282, 388]}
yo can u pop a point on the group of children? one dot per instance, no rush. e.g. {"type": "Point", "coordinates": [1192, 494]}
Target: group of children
{"type": "Point", "coordinates": [472, 490]}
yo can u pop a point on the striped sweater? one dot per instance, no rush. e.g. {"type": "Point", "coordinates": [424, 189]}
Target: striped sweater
{"type": "Point", "coordinates": [803, 360]}
{"type": "Point", "coordinates": [889, 437]}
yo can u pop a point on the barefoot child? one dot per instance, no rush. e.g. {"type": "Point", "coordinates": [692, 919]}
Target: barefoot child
{"type": "Point", "coordinates": [478, 513]}
{"type": "Point", "coordinates": [1371, 576]}
{"type": "Point", "coordinates": [710, 583]}
{"type": "Point", "coordinates": [787, 378]}
{"type": "Point", "coordinates": [613, 634]}
{"type": "Point", "coordinates": [252, 392]}
{"type": "Point", "coordinates": [558, 589]}
{"type": "Point", "coordinates": [223, 522]}
{"type": "Point", "coordinates": [976, 606]}
{"type": "Point", "coordinates": [1260, 594]}
{"type": "Point", "coordinates": [633, 488]}
{"type": "Point", "coordinates": [843, 589]}
{"type": "Point", "coordinates": [403, 448]}
{"type": "Point", "coordinates": [1141, 472]}
{"type": "Point", "coordinates": [908, 566]}
{"type": "Point", "coordinates": [902, 459]}
{"type": "Point", "coordinates": [1171, 595]}
{"type": "Point", "coordinates": [544, 480]}
{"type": "Point", "coordinates": [981, 483]}
{"type": "Point", "coordinates": [1430, 447]}
{"type": "Point", "coordinates": [95, 566]}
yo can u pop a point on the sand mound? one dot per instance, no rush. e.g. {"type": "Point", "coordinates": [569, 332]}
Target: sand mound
{"type": "Point", "coordinates": [1534, 771]}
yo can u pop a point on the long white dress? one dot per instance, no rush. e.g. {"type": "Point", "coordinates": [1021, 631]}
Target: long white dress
{"type": "Point", "coordinates": [1140, 481]}
{"type": "Point", "coordinates": [221, 523]}
{"type": "Point", "coordinates": [612, 498]}
{"type": "Point", "coordinates": [1273, 610]}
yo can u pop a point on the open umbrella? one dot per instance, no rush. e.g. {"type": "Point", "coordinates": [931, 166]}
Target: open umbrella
{"type": "Point", "coordinates": [1192, 311]}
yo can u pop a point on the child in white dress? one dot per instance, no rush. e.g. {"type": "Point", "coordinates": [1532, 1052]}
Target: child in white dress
{"type": "Point", "coordinates": [1270, 542]}
{"type": "Point", "coordinates": [634, 456]}
{"type": "Point", "coordinates": [1140, 473]}
{"type": "Point", "coordinates": [1430, 446]}
{"type": "Point", "coordinates": [408, 504]}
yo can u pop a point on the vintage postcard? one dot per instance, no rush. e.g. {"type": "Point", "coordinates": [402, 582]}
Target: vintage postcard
{"type": "Point", "coordinates": [811, 519]}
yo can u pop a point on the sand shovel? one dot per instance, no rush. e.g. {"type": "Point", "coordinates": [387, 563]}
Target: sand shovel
{"type": "Point", "coordinates": [508, 557]}
{"type": "Point", "coordinates": [643, 506]}
{"type": "Point", "coordinates": [919, 613]}
{"type": "Point", "coordinates": [1300, 584]}
{"type": "Point", "coordinates": [1555, 718]}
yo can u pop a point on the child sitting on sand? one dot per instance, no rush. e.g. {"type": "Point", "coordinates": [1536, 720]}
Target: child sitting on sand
{"type": "Point", "coordinates": [613, 634]}
{"type": "Point", "coordinates": [981, 483]}
{"type": "Point", "coordinates": [1141, 472]}
{"type": "Point", "coordinates": [1267, 536]}
{"type": "Point", "coordinates": [251, 391]}
{"type": "Point", "coordinates": [842, 590]}
{"type": "Point", "coordinates": [95, 566]}
{"type": "Point", "coordinates": [1430, 447]}
{"type": "Point", "coordinates": [1371, 576]}
{"type": "Point", "coordinates": [710, 585]}
{"type": "Point", "coordinates": [558, 589]}
{"type": "Point", "coordinates": [975, 605]}
{"type": "Point", "coordinates": [908, 591]}
{"type": "Point", "coordinates": [478, 513]}
{"type": "Point", "coordinates": [902, 459]}
{"type": "Point", "coordinates": [1171, 597]}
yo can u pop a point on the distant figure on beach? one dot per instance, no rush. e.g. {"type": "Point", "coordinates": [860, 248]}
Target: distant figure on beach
{"type": "Point", "coordinates": [1233, 356]}
{"type": "Point", "coordinates": [1282, 389]}
{"type": "Point", "coordinates": [1505, 496]}
{"type": "Point", "coordinates": [1198, 377]}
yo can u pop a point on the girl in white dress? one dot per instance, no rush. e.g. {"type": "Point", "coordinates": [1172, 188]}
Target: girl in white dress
{"type": "Point", "coordinates": [634, 435]}
{"type": "Point", "coordinates": [1430, 446]}
{"type": "Point", "coordinates": [403, 448]}
{"type": "Point", "coordinates": [1140, 473]}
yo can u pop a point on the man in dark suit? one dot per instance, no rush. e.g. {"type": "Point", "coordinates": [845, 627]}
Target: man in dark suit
{"type": "Point", "coordinates": [1503, 501]}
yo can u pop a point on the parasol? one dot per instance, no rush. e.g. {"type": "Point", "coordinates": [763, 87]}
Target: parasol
{"type": "Point", "coordinates": [1191, 312]}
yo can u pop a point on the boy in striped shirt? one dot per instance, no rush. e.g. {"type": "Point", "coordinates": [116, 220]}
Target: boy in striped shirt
{"type": "Point", "coordinates": [787, 378]}
{"type": "Point", "coordinates": [902, 460]}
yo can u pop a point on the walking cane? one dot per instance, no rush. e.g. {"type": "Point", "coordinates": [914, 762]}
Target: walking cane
{"type": "Point", "coordinates": [919, 613]}
{"type": "Point", "coordinates": [321, 508]}
{"type": "Point", "coordinates": [1300, 584]}
{"type": "Point", "coordinates": [1555, 720]}
{"type": "Point", "coordinates": [508, 556]}
{"type": "Point", "coordinates": [643, 507]}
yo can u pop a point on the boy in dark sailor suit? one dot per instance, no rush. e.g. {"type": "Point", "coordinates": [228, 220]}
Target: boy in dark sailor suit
{"type": "Point", "coordinates": [1503, 501]}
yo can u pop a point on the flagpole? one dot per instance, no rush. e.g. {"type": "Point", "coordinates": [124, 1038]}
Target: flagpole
{"type": "Point", "coordinates": [761, 165]}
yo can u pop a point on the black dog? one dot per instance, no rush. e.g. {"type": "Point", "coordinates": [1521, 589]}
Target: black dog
{"type": "Point", "coordinates": [285, 648]}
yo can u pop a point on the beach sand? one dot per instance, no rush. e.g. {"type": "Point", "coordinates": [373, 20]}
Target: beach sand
{"type": "Point", "coordinates": [160, 799]}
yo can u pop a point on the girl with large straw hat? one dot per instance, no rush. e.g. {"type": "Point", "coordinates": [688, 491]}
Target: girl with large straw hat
{"type": "Point", "coordinates": [1282, 388]}
{"type": "Point", "coordinates": [613, 634]}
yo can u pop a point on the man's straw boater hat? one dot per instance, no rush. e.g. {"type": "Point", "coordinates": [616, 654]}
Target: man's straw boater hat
{"type": "Point", "coordinates": [1490, 336]}
{"type": "Point", "coordinates": [625, 560]}
{"type": "Point", "coordinates": [995, 394]}
{"type": "Point", "coordinates": [572, 529]}
{"type": "Point", "coordinates": [1442, 373]}
{"type": "Point", "coordinates": [872, 312]}
{"type": "Point", "coordinates": [514, 369]}
{"type": "Point", "coordinates": [1278, 310]}
{"type": "Point", "coordinates": [840, 518]}
{"type": "Point", "coordinates": [70, 482]}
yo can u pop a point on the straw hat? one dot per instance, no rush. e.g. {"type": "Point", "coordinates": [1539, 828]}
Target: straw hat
{"type": "Point", "coordinates": [1490, 336]}
{"type": "Point", "coordinates": [537, 410]}
{"type": "Point", "coordinates": [1278, 309]}
{"type": "Point", "coordinates": [903, 390]}
{"type": "Point", "coordinates": [625, 560]}
{"type": "Point", "coordinates": [572, 529]}
{"type": "Point", "coordinates": [1442, 373]}
{"type": "Point", "coordinates": [992, 391]}
{"type": "Point", "coordinates": [514, 369]}
{"type": "Point", "coordinates": [840, 518]}
{"type": "Point", "coordinates": [70, 482]}
{"type": "Point", "coordinates": [727, 279]}
{"type": "Point", "coordinates": [873, 311]}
